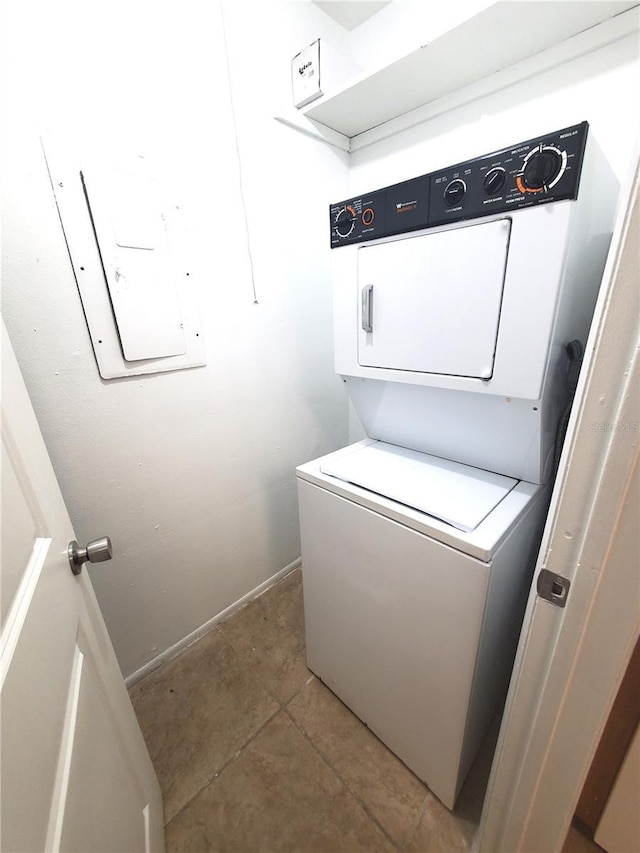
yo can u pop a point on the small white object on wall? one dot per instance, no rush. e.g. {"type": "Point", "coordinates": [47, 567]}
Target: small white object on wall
{"type": "Point", "coordinates": [319, 69]}
{"type": "Point", "coordinates": [305, 75]}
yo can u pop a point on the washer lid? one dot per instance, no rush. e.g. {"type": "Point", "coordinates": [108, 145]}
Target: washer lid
{"type": "Point", "coordinates": [458, 494]}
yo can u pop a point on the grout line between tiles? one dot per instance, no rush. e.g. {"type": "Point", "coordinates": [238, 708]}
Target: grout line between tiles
{"type": "Point", "coordinates": [227, 763]}
{"type": "Point", "coordinates": [244, 665]}
{"type": "Point", "coordinates": [339, 777]}
{"type": "Point", "coordinates": [286, 703]}
{"type": "Point", "coordinates": [265, 683]}
{"type": "Point", "coordinates": [244, 660]}
{"type": "Point", "coordinates": [416, 823]}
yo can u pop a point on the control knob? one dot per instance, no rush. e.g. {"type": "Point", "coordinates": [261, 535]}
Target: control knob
{"type": "Point", "coordinates": [494, 180]}
{"type": "Point", "coordinates": [345, 221]}
{"type": "Point", "coordinates": [454, 192]}
{"type": "Point", "coordinates": [542, 169]}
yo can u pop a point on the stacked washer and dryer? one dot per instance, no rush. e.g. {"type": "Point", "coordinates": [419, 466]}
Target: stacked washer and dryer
{"type": "Point", "coordinates": [456, 295]}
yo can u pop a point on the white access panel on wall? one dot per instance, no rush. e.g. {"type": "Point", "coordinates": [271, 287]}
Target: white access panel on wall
{"type": "Point", "coordinates": [128, 219]}
{"type": "Point", "coordinates": [136, 291]}
{"type": "Point", "coordinates": [431, 303]}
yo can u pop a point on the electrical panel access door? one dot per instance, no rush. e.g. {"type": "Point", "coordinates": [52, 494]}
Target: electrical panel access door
{"type": "Point", "coordinates": [431, 303]}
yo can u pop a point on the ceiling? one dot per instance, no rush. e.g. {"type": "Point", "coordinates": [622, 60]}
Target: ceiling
{"type": "Point", "coordinates": [350, 13]}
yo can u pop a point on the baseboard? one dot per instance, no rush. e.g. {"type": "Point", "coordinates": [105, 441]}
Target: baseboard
{"type": "Point", "coordinates": [172, 651]}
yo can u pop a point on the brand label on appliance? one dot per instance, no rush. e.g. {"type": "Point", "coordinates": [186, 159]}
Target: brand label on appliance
{"type": "Point", "coordinates": [406, 206]}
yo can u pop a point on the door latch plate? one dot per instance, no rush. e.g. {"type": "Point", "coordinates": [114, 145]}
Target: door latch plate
{"type": "Point", "coordinates": [553, 587]}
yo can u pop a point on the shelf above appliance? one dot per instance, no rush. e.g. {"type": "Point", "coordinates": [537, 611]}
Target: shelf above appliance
{"type": "Point", "coordinates": [377, 104]}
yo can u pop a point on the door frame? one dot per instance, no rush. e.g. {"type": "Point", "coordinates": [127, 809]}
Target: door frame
{"type": "Point", "coordinates": [570, 662]}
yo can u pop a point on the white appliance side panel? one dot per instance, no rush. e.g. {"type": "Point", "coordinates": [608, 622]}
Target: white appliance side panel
{"type": "Point", "coordinates": [393, 621]}
{"type": "Point", "coordinates": [435, 300]}
{"type": "Point", "coordinates": [588, 247]}
{"type": "Point", "coordinates": [458, 494]}
{"type": "Point", "coordinates": [511, 572]}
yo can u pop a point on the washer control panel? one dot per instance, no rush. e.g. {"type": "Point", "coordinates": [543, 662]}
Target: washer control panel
{"type": "Point", "coordinates": [538, 171]}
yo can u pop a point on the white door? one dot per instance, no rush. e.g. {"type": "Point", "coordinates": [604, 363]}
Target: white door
{"type": "Point", "coordinates": [76, 775]}
{"type": "Point", "coordinates": [432, 303]}
{"type": "Point", "coordinates": [571, 660]}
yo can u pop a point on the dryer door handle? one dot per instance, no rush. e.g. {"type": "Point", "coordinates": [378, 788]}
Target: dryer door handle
{"type": "Point", "coordinates": [367, 308]}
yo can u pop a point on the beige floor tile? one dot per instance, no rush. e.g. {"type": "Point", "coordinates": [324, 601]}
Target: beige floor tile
{"type": "Point", "coordinates": [196, 713]}
{"type": "Point", "coordinates": [277, 795]}
{"type": "Point", "coordinates": [386, 787]}
{"type": "Point", "coordinates": [269, 635]}
{"type": "Point", "coordinates": [440, 831]}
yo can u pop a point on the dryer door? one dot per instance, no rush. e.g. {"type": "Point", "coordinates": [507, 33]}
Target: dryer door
{"type": "Point", "coordinates": [431, 303]}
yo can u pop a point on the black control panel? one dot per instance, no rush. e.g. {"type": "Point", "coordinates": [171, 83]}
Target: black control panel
{"type": "Point", "coordinates": [393, 210]}
{"type": "Point", "coordinates": [358, 219]}
{"type": "Point", "coordinates": [538, 171]}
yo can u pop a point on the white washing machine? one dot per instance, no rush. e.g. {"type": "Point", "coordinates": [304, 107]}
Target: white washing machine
{"type": "Point", "coordinates": [455, 296]}
{"type": "Point", "coordinates": [410, 620]}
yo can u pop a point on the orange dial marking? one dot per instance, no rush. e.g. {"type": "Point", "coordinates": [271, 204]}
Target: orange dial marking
{"type": "Point", "coordinates": [524, 189]}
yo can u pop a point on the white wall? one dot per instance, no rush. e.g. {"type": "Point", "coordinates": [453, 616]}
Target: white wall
{"type": "Point", "coordinates": [191, 473]}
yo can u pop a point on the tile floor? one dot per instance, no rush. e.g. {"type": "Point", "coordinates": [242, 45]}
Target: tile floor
{"type": "Point", "coordinates": [254, 753]}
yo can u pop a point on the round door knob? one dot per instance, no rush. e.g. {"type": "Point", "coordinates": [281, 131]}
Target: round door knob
{"type": "Point", "coordinates": [96, 552]}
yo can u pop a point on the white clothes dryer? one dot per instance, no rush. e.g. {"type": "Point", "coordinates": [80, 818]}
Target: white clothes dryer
{"type": "Point", "coordinates": [452, 312]}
